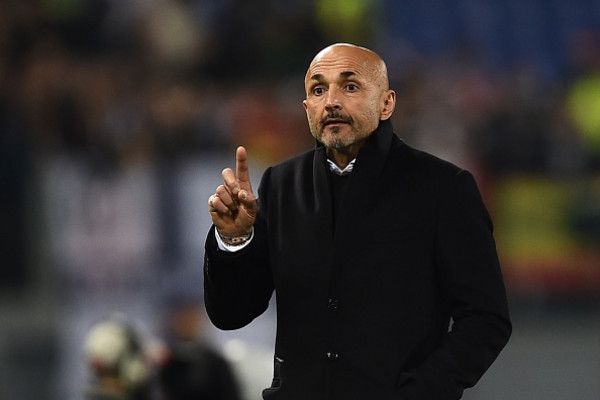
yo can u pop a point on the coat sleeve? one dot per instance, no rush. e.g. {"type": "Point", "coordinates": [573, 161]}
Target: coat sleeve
{"type": "Point", "coordinates": [238, 285]}
{"type": "Point", "coordinates": [472, 283]}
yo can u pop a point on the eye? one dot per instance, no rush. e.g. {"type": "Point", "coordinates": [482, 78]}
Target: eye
{"type": "Point", "coordinates": [318, 90]}
{"type": "Point", "coordinates": [351, 87]}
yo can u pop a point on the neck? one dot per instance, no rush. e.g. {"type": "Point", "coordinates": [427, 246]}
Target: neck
{"type": "Point", "coordinates": [342, 156]}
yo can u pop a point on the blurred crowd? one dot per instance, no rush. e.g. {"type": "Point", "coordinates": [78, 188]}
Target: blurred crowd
{"type": "Point", "coordinates": [124, 365]}
{"type": "Point", "coordinates": [116, 118]}
{"type": "Point", "coordinates": [119, 85]}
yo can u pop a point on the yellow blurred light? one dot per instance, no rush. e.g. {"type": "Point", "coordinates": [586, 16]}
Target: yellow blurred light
{"type": "Point", "coordinates": [583, 106]}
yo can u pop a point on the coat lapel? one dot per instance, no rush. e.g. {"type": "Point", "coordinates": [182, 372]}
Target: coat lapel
{"type": "Point", "coordinates": [322, 196]}
{"type": "Point", "coordinates": [365, 180]}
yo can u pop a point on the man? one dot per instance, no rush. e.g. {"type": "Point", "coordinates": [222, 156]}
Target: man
{"type": "Point", "coordinates": [190, 369]}
{"type": "Point", "coordinates": [116, 359]}
{"type": "Point", "coordinates": [381, 256]}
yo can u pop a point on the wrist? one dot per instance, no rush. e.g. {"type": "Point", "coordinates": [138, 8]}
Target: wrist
{"type": "Point", "coordinates": [234, 240]}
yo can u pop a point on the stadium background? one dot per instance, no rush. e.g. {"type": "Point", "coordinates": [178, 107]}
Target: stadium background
{"type": "Point", "coordinates": [116, 118]}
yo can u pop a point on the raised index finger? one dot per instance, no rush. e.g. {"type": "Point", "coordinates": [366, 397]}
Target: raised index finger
{"type": "Point", "coordinates": [241, 165]}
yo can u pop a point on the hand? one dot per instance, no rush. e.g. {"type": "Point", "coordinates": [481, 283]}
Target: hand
{"type": "Point", "coordinates": [233, 206]}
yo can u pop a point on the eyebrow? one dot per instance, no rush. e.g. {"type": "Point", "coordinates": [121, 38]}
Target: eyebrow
{"type": "Point", "coordinates": [343, 74]}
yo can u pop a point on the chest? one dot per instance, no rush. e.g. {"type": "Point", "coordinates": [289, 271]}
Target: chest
{"type": "Point", "coordinates": [378, 235]}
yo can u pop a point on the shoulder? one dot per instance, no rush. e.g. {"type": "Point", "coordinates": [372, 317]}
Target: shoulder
{"type": "Point", "coordinates": [295, 166]}
{"type": "Point", "coordinates": [422, 163]}
{"type": "Point", "coordinates": [305, 158]}
{"type": "Point", "coordinates": [423, 169]}
{"type": "Point", "coordinates": [296, 171]}
{"type": "Point", "coordinates": [436, 176]}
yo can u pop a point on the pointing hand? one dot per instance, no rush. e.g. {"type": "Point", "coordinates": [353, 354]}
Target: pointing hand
{"type": "Point", "coordinates": [233, 206]}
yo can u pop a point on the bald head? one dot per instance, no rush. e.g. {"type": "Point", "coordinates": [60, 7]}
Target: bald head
{"type": "Point", "coordinates": [347, 95]}
{"type": "Point", "coordinates": [372, 64]}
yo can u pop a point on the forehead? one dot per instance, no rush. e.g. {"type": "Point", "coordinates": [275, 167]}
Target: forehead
{"type": "Point", "coordinates": [333, 62]}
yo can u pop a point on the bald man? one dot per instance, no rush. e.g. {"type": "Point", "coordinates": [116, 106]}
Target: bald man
{"type": "Point", "coordinates": [381, 256]}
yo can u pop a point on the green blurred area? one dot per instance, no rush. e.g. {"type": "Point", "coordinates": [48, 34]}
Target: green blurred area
{"type": "Point", "coordinates": [548, 233]}
{"type": "Point", "coordinates": [583, 106]}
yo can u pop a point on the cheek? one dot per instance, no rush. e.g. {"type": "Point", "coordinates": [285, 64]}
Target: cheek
{"type": "Point", "coordinates": [308, 108]}
{"type": "Point", "coordinates": [311, 113]}
{"type": "Point", "coordinates": [310, 116]}
{"type": "Point", "coordinates": [368, 120]}
{"type": "Point", "coordinates": [369, 115]}
{"type": "Point", "coordinates": [312, 124]}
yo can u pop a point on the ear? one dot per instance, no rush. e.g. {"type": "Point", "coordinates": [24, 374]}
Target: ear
{"type": "Point", "coordinates": [304, 104]}
{"type": "Point", "coordinates": [388, 105]}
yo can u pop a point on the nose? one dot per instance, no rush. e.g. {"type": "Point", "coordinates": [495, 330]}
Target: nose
{"type": "Point", "coordinates": [333, 100]}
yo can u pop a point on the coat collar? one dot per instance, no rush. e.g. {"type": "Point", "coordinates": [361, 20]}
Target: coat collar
{"type": "Point", "coordinates": [363, 181]}
{"type": "Point", "coordinates": [371, 158]}
{"type": "Point", "coordinates": [373, 152]}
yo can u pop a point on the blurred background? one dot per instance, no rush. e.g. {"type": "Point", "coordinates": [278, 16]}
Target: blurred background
{"type": "Point", "coordinates": [117, 116]}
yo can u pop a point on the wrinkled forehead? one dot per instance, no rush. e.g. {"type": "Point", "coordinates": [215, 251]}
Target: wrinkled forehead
{"type": "Point", "coordinates": [344, 58]}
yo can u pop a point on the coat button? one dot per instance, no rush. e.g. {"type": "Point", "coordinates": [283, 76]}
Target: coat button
{"type": "Point", "coordinates": [332, 304]}
{"type": "Point", "coordinates": [332, 356]}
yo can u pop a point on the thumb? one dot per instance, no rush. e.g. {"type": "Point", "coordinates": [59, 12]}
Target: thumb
{"type": "Point", "coordinates": [249, 202]}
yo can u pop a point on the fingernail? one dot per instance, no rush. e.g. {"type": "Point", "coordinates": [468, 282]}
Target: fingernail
{"type": "Point", "coordinates": [243, 195]}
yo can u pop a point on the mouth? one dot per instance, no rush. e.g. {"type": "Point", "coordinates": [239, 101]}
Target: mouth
{"type": "Point", "coordinates": [335, 121]}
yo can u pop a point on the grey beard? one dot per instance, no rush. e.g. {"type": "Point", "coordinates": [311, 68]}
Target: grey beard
{"type": "Point", "coordinates": [335, 142]}
{"type": "Point", "coordinates": [338, 144]}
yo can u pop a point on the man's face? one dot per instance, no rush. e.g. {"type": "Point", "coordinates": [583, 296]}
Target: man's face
{"type": "Point", "coordinates": [346, 90]}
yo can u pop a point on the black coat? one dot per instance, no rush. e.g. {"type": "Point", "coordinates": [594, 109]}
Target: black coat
{"type": "Point", "coordinates": [404, 300]}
